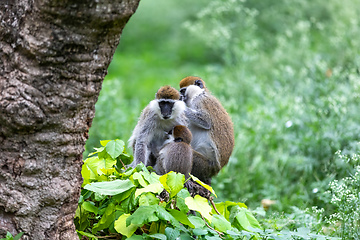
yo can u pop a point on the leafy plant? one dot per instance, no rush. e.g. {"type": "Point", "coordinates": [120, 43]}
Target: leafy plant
{"type": "Point", "coordinates": [137, 203]}
{"type": "Point", "coordinates": [345, 196]}
{"type": "Point", "coordinates": [120, 201]}
{"type": "Point", "coordinates": [9, 236]}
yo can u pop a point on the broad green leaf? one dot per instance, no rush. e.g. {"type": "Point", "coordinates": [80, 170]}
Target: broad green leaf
{"type": "Point", "coordinates": [142, 215]}
{"type": "Point", "coordinates": [115, 147]}
{"type": "Point", "coordinates": [107, 172]}
{"type": "Point", "coordinates": [104, 142]}
{"type": "Point", "coordinates": [90, 207]}
{"type": "Point", "coordinates": [198, 231]}
{"type": "Point", "coordinates": [154, 188]}
{"type": "Point", "coordinates": [164, 215]}
{"type": "Point", "coordinates": [148, 199]}
{"type": "Point", "coordinates": [107, 218]}
{"type": "Point", "coordinates": [86, 174]}
{"type": "Point", "coordinates": [120, 226]}
{"type": "Point", "coordinates": [110, 188]}
{"type": "Point", "coordinates": [244, 218]}
{"type": "Point", "coordinates": [203, 184]}
{"type": "Point", "coordinates": [181, 217]}
{"type": "Point", "coordinates": [171, 234]}
{"type": "Point", "coordinates": [87, 234]}
{"type": "Point", "coordinates": [150, 177]}
{"type": "Point", "coordinates": [199, 204]}
{"type": "Point", "coordinates": [220, 223]}
{"type": "Point", "coordinates": [180, 200]}
{"type": "Point", "coordinates": [173, 182]}
{"type": "Point", "coordinates": [138, 176]}
{"type": "Point", "coordinates": [198, 222]}
{"type": "Point", "coordinates": [136, 237]}
{"type": "Point", "coordinates": [97, 163]}
{"type": "Point", "coordinates": [223, 207]}
{"type": "Point", "coordinates": [129, 203]}
{"type": "Point", "coordinates": [89, 163]}
{"type": "Point", "coordinates": [158, 236]}
{"type": "Point", "coordinates": [146, 214]}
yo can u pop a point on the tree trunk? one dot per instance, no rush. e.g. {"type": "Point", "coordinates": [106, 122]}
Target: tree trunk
{"type": "Point", "coordinates": [53, 58]}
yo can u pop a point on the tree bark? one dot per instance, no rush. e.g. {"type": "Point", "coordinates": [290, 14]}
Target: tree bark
{"type": "Point", "coordinates": [54, 55]}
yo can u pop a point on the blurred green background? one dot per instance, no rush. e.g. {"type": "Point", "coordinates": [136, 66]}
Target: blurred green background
{"type": "Point", "coordinates": [288, 73]}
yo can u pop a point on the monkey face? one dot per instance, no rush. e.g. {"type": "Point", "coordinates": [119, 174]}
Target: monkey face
{"type": "Point", "coordinates": [166, 108]}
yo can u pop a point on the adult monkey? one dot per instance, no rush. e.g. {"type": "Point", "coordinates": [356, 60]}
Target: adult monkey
{"type": "Point", "coordinates": [211, 127]}
{"type": "Point", "coordinates": [157, 119]}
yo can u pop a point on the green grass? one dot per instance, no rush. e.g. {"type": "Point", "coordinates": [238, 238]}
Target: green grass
{"type": "Point", "coordinates": [287, 72]}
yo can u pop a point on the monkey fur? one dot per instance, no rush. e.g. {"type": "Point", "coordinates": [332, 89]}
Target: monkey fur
{"type": "Point", "coordinates": [176, 154]}
{"type": "Point", "coordinates": [211, 127]}
{"type": "Point", "coordinates": [159, 117]}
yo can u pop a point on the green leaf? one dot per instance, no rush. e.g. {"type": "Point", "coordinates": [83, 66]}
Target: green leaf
{"type": "Point", "coordinates": [154, 188]}
{"type": "Point", "coordinates": [199, 204]}
{"type": "Point", "coordinates": [173, 182]}
{"type": "Point", "coordinates": [146, 214]}
{"type": "Point", "coordinates": [244, 218]}
{"type": "Point", "coordinates": [181, 217]}
{"type": "Point", "coordinates": [115, 147]}
{"type": "Point", "coordinates": [87, 234]}
{"type": "Point", "coordinates": [95, 164]}
{"type": "Point", "coordinates": [103, 143]}
{"type": "Point", "coordinates": [220, 223]}
{"type": "Point", "coordinates": [223, 207]}
{"type": "Point", "coordinates": [107, 218]}
{"type": "Point", "coordinates": [148, 199]}
{"type": "Point", "coordinates": [171, 234]}
{"type": "Point", "coordinates": [198, 222]}
{"type": "Point", "coordinates": [125, 158]}
{"type": "Point", "coordinates": [110, 188]}
{"type": "Point", "coordinates": [203, 184]}
{"type": "Point", "coordinates": [180, 200]}
{"type": "Point", "coordinates": [129, 203]}
{"type": "Point", "coordinates": [120, 226]}
{"type": "Point", "coordinates": [86, 174]}
{"type": "Point", "coordinates": [199, 232]}
{"type": "Point", "coordinates": [142, 215]}
{"type": "Point", "coordinates": [90, 207]}
{"type": "Point", "coordinates": [158, 236]}
{"type": "Point", "coordinates": [18, 236]}
{"type": "Point", "coordinates": [136, 237]}
{"type": "Point", "coordinates": [139, 177]}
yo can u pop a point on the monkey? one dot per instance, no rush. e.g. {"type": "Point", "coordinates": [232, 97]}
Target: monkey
{"type": "Point", "coordinates": [211, 127]}
{"type": "Point", "coordinates": [156, 120]}
{"type": "Point", "coordinates": [176, 154]}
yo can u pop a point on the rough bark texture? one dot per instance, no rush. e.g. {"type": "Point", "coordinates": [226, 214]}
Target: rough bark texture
{"type": "Point", "coordinates": [53, 58]}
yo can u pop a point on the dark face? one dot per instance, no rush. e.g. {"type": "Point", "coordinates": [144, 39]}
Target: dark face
{"type": "Point", "coordinates": [182, 94]}
{"type": "Point", "coordinates": [166, 108]}
{"type": "Point", "coordinates": [198, 83]}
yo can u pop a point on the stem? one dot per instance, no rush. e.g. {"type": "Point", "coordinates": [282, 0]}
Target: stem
{"type": "Point", "coordinates": [213, 204]}
{"type": "Point", "coordinates": [220, 233]}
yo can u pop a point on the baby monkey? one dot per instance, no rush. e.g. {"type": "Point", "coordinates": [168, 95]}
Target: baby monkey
{"type": "Point", "coordinates": [176, 154]}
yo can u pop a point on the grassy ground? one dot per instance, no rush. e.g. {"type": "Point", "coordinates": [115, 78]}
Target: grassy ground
{"type": "Point", "coordinates": [287, 72]}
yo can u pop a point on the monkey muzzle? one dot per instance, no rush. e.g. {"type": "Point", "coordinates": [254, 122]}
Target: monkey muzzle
{"type": "Point", "coordinates": [166, 108]}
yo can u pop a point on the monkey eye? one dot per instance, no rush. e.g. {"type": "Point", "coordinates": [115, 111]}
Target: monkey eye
{"type": "Point", "coordinates": [178, 139]}
{"type": "Point", "coordinates": [182, 91]}
{"type": "Point", "coordinates": [199, 84]}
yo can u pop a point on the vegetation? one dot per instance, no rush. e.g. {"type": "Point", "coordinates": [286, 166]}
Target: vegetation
{"type": "Point", "coordinates": [288, 73]}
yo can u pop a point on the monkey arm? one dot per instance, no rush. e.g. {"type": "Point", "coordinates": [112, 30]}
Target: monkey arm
{"type": "Point", "coordinates": [200, 119]}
